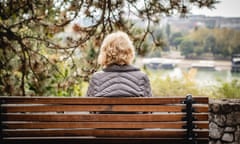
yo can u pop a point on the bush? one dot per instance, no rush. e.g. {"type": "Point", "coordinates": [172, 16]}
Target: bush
{"type": "Point", "coordinates": [173, 86]}
{"type": "Point", "coordinates": [229, 89]}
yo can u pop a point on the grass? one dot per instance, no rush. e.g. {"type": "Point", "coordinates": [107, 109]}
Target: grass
{"type": "Point", "coordinates": [173, 86]}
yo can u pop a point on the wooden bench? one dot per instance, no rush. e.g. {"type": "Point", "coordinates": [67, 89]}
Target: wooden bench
{"type": "Point", "coordinates": [68, 120]}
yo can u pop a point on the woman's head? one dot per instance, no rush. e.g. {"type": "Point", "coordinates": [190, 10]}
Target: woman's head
{"type": "Point", "coordinates": [116, 48]}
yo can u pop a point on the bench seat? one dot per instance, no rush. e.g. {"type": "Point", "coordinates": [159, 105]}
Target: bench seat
{"type": "Point", "coordinates": [125, 120]}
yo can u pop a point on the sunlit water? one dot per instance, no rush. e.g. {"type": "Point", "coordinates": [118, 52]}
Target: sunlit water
{"type": "Point", "coordinates": [201, 77]}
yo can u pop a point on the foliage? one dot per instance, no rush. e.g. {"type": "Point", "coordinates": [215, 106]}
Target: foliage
{"type": "Point", "coordinates": [229, 89]}
{"type": "Point", "coordinates": [219, 41]}
{"type": "Point", "coordinates": [50, 47]}
{"type": "Point", "coordinates": [159, 45]}
{"type": "Point", "coordinates": [176, 39]}
{"type": "Point", "coordinates": [187, 48]}
{"type": "Point", "coordinates": [173, 86]}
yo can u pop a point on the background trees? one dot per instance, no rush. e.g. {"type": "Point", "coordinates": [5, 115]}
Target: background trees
{"type": "Point", "coordinates": [218, 41]}
{"type": "Point", "coordinates": [48, 47]}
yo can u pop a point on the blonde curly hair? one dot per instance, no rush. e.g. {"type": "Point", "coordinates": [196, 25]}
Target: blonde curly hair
{"type": "Point", "coordinates": [116, 48]}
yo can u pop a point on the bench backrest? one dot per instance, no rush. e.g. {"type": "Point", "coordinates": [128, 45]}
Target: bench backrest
{"type": "Point", "coordinates": [46, 119]}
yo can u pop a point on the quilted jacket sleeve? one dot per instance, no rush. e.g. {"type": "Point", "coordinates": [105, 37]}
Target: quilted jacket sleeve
{"type": "Point", "coordinates": [148, 91]}
{"type": "Point", "coordinates": [90, 91]}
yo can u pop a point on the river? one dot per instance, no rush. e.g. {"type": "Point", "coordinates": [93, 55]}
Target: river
{"type": "Point", "coordinates": [201, 77]}
{"type": "Point", "coordinates": [216, 72]}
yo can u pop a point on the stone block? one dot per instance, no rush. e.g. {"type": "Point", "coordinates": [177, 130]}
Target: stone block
{"type": "Point", "coordinates": [231, 119]}
{"type": "Point", "coordinates": [237, 117]}
{"type": "Point", "coordinates": [215, 131]}
{"type": "Point", "coordinates": [211, 117]}
{"type": "Point", "coordinates": [236, 107]}
{"type": "Point", "coordinates": [215, 107]}
{"type": "Point", "coordinates": [237, 135]}
{"type": "Point", "coordinates": [220, 119]}
{"type": "Point", "coordinates": [229, 129]}
{"type": "Point", "coordinates": [228, 137]}
{"type": "Point", "coordinates": [215, 142]}
{"type": "Point", "coordinates": [226, 108]}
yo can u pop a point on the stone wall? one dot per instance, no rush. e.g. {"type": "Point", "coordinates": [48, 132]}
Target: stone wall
{"type": "Point", "coordinates": [224, 121]}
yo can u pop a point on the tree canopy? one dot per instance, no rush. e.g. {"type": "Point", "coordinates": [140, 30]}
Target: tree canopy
{"type": "Point", "coordinates": [218, 41]}
{"type": "Point", "coordinates": [37, 58]}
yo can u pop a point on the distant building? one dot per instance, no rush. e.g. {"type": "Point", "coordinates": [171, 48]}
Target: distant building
{"type": "Point", "coordinates": [193, 21]}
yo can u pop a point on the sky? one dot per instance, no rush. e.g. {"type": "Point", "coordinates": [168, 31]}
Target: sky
{"type": "Point", "coordinates": [226, 8]}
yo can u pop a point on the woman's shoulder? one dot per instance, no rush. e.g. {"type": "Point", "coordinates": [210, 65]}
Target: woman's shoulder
{"type": "Point", "coordinates": [141, 74]}
{"type": "Point", "coordinates": [121, 70]}
{"type": "Point", "coordinates": [97, 74]}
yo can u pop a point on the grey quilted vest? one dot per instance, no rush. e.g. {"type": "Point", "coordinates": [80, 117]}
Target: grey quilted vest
{"type": "Point", "coordinates": [119, 81]}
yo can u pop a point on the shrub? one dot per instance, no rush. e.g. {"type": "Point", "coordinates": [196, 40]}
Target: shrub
{"type": "Point", "coordinates": [229, 89]}
{"type": "Point", "coordinates": [169, 86]}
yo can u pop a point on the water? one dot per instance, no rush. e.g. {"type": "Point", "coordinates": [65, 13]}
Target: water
{"type": "Point", "coordinates": [201, 77]}
{"type": "Point", "coordinates": [203, 72]}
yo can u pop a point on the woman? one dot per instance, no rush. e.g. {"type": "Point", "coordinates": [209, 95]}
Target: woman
{"type": "Point", "coordinates": [118, 77]}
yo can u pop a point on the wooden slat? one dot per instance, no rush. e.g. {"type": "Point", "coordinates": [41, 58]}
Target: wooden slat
{"type": "Point", "coordinates": [46, 125]}
{"type": "Point", "coordinates": [201, 108]}
{"type": "Point", "coordinates": [69, 108]}
{"type": "Point", "coordinates": [108, 133]}
{"type": "Point", "coordinates": [201, 124]}
{"type": "Point", "coordinates": [92, 100]}
{"type": "Point", "coordinates": [91, 117]}
{"type": "Point", "coordinates": [113, 108]}
{"type": "Point", "coordinates": [99, 117]}
{"type": "Point", "coordinates": [93, 132]}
